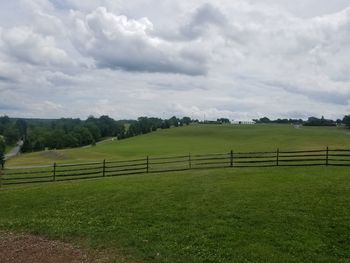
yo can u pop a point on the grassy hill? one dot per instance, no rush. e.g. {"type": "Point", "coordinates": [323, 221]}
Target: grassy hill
{"type": "Point", "coordinates": [279, 214]}
{"type": "Point", "coordinates": [199, 139]}
{"type": "Point", "coordinates": [233, 215]}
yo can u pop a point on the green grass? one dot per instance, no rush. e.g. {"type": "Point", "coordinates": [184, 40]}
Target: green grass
{"type": "Point", "coordinates": [278, 214]}
{"type": "Point", "coordinates": [228, 215]}
{"type": "Point", "coordinates": [199, 139]}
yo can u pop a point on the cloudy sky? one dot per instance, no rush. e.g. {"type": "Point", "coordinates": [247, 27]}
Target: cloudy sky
{"type": "Point", "coordinates": [239, 59]}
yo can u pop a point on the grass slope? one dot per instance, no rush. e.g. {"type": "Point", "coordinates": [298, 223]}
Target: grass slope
{"type": "Point", "coordinates": [199, 139]}
{"type": "Point", "coordinates": [233, 215]}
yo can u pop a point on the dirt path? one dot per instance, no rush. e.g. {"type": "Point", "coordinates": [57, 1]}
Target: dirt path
{"type": "Point", "coordinates": [17, 248]}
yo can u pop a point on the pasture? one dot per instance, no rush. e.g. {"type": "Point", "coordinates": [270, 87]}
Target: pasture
{"type": "Point", "coordinates": [198, 139]}
{"type": "Point", "coordinates": [233, 215]}
{"type": "Point", "coordinates": [277, 214]}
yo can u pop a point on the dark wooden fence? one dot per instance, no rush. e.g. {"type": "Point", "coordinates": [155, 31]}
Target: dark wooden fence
{"type": "Point", "coordinates": [65, 172]}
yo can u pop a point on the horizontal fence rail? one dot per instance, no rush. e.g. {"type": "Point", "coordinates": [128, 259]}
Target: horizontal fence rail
{"type": "Point", "coordinates": [232, 159]}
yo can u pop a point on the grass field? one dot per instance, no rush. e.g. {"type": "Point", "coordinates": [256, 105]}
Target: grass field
{"type": "Point", "coordinates": [199, 139]}
{"type": "Point", "coordinates": [228, 215]}
{"type": "Point", "coordinates": [279, 214]}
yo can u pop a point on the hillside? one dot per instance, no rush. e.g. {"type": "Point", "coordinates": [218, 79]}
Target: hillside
{"type": "Point", "coordinates": [198, 139]}
{"type": "Point", "coordinates": [288, 214]}
{"type": "Point", "coordinates": [233, 215]}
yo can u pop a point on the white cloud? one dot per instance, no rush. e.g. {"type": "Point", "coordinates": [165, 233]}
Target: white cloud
{"type": "Point", "coordinates": [27, 46]}
{"type": "Point", "coordinates": [120, 43]}
{"type": "Point", "coordinates": [241, 59]}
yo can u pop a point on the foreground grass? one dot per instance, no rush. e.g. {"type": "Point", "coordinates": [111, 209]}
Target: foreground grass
{"type": "Point", "coordinates": [199, 139]}
{"type": "Point", "coordinates": [233, 215]}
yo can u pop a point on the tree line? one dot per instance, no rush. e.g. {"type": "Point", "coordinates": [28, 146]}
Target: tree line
{"type": "Point", "coordinates": [40, 134]}
{"type": "Point", "coordinates": [311, 121]}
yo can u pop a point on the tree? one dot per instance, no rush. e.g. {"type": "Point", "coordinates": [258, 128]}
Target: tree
{"type": "Point", "coordinates": [174, 121]}
{"type": "Point", "coordinates": [83, 135]}
{"type": "Point", "coordinates": [134, 129]}
{"type": "Point", "coordinates": [346, 120]}
{"type": "Point", "coordinates": [21, 126]}
{"type": "Point", "coordinates": [27, 146]}
{"type": "Point", "coordinates": [165, 124]}
{"type": "Point", "coordinates": [145, 125]}
{"type": "Point", "coordinates": [223, 120]}
{"type": "Point", "coordinates": [71, 141]}
{"type": "Point", "coordinates": [11, 135]}
{"type": "Point", "coordinates": [186, 120]}
{"type": "Point", "coordinates": [265, 120]}
{"type": "Point", "coordinates": [94, 130]}
{"type": "Point", "coordinates": [313, 121]}
{"type": "Point", "coordinates": [107, 126]}
{"type": "Point", "coordinates": [5, 120]}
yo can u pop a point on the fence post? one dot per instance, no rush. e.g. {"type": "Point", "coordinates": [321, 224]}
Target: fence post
{"type": "Point", "coordinates": [277, 156]}
{"type": "Point", "coordinates": [327, 154]}
{"type": "Point", "coordinates": [231, 158]}
{"type": "Point", "coordinates": [147, 167]}
{"type": "Point", "coordinates": [54, 172]}
{"type": "Point", "coordinates": [104, 168]}
{"type": "Point", "coordinates": [189, 161]}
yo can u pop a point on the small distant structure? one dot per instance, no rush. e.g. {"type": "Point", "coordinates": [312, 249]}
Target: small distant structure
{"type": "Point", "coordinates": [243, 122]}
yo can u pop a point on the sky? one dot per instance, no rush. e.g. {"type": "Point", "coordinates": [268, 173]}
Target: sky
{"type": "Point", "coordinates": [238, 59]}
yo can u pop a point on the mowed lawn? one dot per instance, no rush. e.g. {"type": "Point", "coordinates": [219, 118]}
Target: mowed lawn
{"type": "Point", "coordinates": [199, 139]}
{"type": "Point", "coordinates": [276, 214]}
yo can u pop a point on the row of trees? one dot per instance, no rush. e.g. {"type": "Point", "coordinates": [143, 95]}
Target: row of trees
{"type": "Point", "coordinates": [280, 121]}
{"type": "Point", "coordinates": [69, 133]}
{"type": "Point", "coordinates": [39, 134]}
{"type": "Point", "coordinates": [346, 120]}
{"type": "Point", "coordinates": [12, 129]}
{"type": "Point", "coordinates": [146, 125]}
{"type": "Point", "coordinates": [311, 121]}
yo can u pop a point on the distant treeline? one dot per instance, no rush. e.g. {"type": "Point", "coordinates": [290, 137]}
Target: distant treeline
{"type": "Point", "coordinates": [39, 134]}
{"type": "Point", "coordinates": [311, 121]}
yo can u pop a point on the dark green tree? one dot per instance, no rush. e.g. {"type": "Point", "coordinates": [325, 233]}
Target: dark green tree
{"type": "Point", "coordinates": [11, 134]}
{"type": "Point", "coordinates": [84, 135]}
{"type": "Point", "coordinates": [223, 120]}
{"type": "Point", "coordinates": [346, 120]}
{"type": "Point", "coordinates": [94, 130]}
{"type": "Point", "coordinates": [22, 128]}
{"type": "Point", "coordinates": [186, 120]}
{"type": "Point", "coordinates": [165, 124]}
{"type": "Point", "coordinates": [174, 121]}
{"type": "Point", "coordinates": [264, 120]}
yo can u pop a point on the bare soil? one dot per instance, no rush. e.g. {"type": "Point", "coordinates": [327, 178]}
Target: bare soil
{"type": "Point", "coordinates": [20, 248]}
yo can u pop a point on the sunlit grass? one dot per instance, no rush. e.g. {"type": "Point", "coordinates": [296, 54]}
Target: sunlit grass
{"type": "Point", "coordinates": [199, 139]}
{"type": "Point", "coordinates": [228, 215]}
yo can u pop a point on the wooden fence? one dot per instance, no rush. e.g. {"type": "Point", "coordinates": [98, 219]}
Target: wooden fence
{"type": "Point", "coordinates": [65, 172]}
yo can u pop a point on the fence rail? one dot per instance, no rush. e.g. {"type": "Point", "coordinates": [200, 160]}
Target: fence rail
{"type": "Point", "coordinates": [67, 172]}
